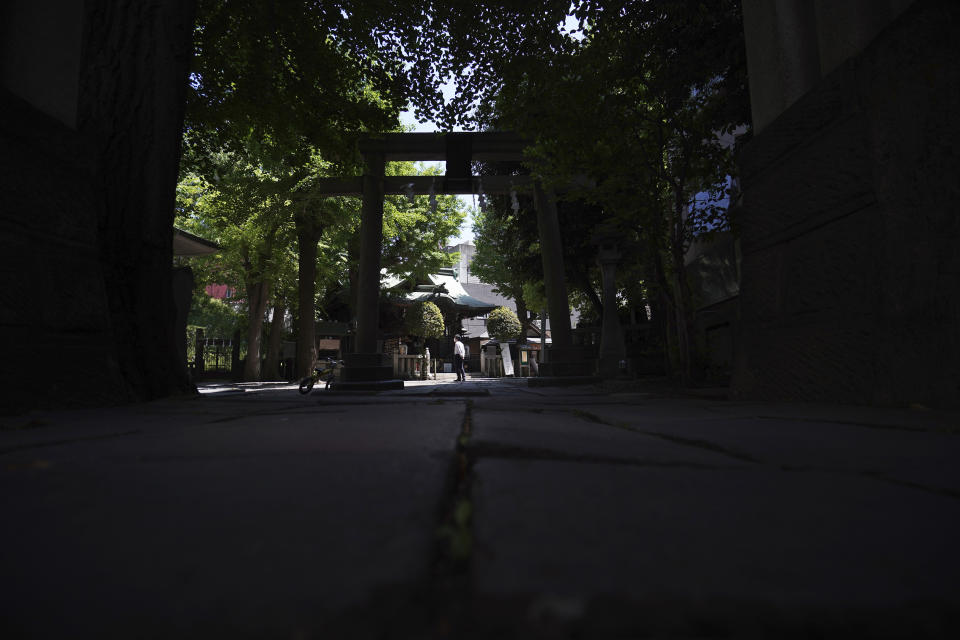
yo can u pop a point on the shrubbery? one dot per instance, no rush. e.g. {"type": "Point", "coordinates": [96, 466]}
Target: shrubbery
{"type": "Point", "coordinates": [424, 320]}
{"type": "Point", "coordinates": [503, 324]}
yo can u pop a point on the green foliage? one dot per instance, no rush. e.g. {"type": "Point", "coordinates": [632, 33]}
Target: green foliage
{"type": "Point", "coordinates": [284, 77]}
{"type": "Point", "coordinates": [634, 115]}
{"type": "Point", "coordinates": [535, 295]}
{"type": "Point", "coordinates": [414, 232]}
{"type": "Point", "coordinates": [296, 69]}
{"type": "Point", "coordinates": [508, 250]}
{"type": "Point", "coordinates": [469, 44]}
{"type": "Point", "coordinates": [247, 213]}
{"type": "Point", "coordinates": [424, 320]}
{"type": "Point", "coordinates": [503, 324]}
{"type": "Point", "coordinates": [218, 319]}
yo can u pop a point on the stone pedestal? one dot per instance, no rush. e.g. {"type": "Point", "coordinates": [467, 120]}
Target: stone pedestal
{"type": "Point", "coordinates": [366, 372]}
{"type": "Point", "coordinates": [565, 362]}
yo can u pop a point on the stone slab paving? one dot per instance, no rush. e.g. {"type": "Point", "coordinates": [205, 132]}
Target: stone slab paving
{"type": "Point", "coordinates": [898, 445]}
{"type": "Point", "coordinates": [723, 546]}
{"type": "Point", "coordinates": [502, 430]}
{"type": "Point", "coordinates": [818, 525]}
{"type": "Point", "coordinates": [677, 407]}
{"type": "Point", "coordinates": [260, 512]}
{"type": "Point", "coordinates": [263, 520]}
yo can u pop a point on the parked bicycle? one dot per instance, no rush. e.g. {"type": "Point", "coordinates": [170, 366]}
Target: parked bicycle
{"type": "Point", "coordinates": [325, 370]}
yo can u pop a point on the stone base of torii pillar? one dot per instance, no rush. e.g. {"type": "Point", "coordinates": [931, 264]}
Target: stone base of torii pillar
{"type": "Point", "coordinates": [366, 372]}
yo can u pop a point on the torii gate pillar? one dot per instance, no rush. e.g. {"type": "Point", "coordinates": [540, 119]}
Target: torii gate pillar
{"type": "Point", "coordinates": [371, 237]}
{"type": "Point", "coordinates": [364, 367]}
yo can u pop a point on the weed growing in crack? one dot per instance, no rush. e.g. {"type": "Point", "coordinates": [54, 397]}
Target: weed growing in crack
{"type": "Point", "coordinates": [456, 535]}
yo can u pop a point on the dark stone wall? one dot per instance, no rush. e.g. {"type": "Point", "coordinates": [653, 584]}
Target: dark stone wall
{"type": "Point", "coordinates": [86, 217]}
{"type": "Point", "coordinates": [54, 314]}
{"type": "Point", "coordinates": [850, 224]}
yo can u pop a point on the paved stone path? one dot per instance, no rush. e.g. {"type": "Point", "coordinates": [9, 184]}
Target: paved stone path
{"type": "Point", "coordinates": [481, 509]}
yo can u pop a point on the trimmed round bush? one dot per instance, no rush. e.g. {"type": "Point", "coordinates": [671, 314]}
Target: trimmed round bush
{"type": "Point", "coordinates": [424, 320]}
{"type": "Point", "coordinates": [503, 324]}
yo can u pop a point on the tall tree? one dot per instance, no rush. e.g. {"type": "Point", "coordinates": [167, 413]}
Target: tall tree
{"type": "Point", "coordinates": [637, 109]}
{"type": "Point", "coordinates": [244, 213]}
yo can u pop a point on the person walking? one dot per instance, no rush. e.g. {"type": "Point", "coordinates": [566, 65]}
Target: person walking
{"type": "Point", "coordinates": [459, 352]}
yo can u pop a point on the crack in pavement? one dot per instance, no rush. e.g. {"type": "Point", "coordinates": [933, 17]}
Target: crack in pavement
{"type": "Point", "coordinates": [702, 444]}
{"type": "Point", "coordinates": [690, 442]}
{"type": "Point", "coordinates": [711, 446]}
{"type": "Point", "coordinates": [450, 582]}
{"type": "Point", "coordinates": [940, 491]}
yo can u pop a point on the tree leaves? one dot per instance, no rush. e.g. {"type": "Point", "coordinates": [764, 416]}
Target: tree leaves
{"type": "Point", "coordinates": [290, 75]}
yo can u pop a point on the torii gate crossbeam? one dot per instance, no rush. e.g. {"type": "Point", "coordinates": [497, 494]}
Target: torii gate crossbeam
{"type": "Point", "coordinates": [423, 185]}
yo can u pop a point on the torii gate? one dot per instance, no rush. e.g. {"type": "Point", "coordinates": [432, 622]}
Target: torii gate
{"type": "Point", "coordinates": [364, 367]}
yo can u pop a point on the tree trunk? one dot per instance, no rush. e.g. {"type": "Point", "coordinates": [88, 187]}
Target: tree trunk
{"type": "Point", "coordinates": [681, 295]}
{"type": "Point", "coordinates": [132, 78]}
{"type": "Point", "coordinates": [662, 309]}
{"type": "Point", "coordinates": [524, 317]}
{"type": "Point", "coordinates": [308, 235]}
{"type": "Point", "coordinates": [257, 294]}
{"type": "Point", "coordinates": [587, 288]}
{"type": "Point", "coordinates": [272, 366]}
{"type": "Point", "coordinates": [682, 327]}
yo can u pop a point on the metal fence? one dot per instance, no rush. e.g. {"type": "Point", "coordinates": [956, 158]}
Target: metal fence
{"type": "Point", "coordinates": [213, 356]}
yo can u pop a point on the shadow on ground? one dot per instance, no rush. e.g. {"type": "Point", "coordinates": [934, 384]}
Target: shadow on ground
{"type": "Point", "coordinates": [479, 509]}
